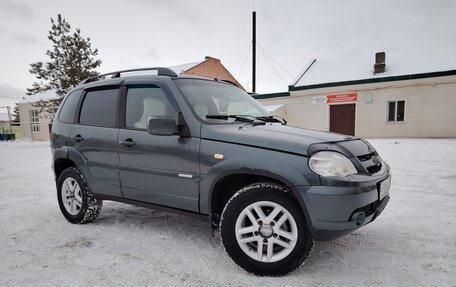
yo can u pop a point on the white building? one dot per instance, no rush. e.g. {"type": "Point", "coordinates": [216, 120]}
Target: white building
{"type": "Point", "coordinates": [415, 97]}
{"type": "Point", "coordinates": [35, 125]}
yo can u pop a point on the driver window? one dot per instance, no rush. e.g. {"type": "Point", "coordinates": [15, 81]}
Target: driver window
{"type": "Point", "coordinates": [145, 102]}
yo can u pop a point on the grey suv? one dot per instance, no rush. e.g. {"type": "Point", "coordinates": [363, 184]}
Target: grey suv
{"type": "Point", "coordinates": [205, 148]}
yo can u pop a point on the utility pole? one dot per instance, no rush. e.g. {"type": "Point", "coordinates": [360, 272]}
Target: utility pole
{"type": "Point", "coordinates": [253, 51]}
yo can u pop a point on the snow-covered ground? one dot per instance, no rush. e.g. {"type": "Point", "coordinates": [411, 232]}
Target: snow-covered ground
{"type": "Point", "coordinates": [413, 243]}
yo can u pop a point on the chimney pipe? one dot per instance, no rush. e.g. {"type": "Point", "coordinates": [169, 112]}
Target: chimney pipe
{"type": "Point", "coordinates": [379, 66]}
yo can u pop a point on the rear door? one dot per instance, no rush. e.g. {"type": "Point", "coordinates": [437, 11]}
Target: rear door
{"type": "Point", "coordinates": [95, 138]}
{"type": "Point", "coordinates": [156, 169]}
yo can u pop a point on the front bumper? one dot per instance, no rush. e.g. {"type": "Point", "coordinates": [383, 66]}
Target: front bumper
{"type": "Point", "coordinates": [342, 205]}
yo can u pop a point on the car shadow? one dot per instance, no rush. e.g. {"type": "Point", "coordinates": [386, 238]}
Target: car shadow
{"type": "Point", "coordinates": [150, 220]}
{"type": "Point", "coordinates": [337, 254]}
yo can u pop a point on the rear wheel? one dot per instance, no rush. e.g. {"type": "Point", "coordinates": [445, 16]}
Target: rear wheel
{"type": "Point", "coordinates": [264, 231]}
{"type": "Point", "coordinates": [76, 200]}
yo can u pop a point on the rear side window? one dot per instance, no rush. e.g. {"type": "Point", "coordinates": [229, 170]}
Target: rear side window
{"type": "Point", "coordinates": [99, 108]}
{"type": "Point", "coordinates": [69, 107]}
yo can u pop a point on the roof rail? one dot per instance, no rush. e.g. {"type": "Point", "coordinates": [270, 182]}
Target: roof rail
{"type": "Point", "coordinates": [226, 81]}
{"type": "Point", "coordinates": [161, 71]}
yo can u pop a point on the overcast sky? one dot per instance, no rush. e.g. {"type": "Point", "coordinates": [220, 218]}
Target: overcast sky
{"type": "Point", "coordinates": [142, 33]}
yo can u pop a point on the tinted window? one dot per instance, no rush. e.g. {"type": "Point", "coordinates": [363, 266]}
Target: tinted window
{"type": "Point", "coordinates": [145, 102]}
{"type": "Point", "coordinates": [99, 108]}
{"type": "Point", "coordinates": [69, 107]}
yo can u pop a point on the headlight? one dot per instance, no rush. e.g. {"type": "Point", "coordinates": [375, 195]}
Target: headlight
{"type": "Point", "coordinates": [330, 163]}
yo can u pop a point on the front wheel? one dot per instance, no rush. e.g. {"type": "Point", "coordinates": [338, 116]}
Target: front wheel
{"type": "Point", "coordinates": [264, 231]}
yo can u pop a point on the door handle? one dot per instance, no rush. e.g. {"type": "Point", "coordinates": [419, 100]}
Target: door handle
{"type": "Point", "coordinates": [78, 138]}
{"type": "Point", "coordinates": [128, 142]}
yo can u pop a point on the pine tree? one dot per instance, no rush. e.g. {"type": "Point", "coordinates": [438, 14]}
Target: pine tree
{"type": "Point", "coordinates": [71, 61]}
{"type": "Point", "coordinates": [15, 114]}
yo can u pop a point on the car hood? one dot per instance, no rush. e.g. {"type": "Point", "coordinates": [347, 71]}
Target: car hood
{"type": "Point", "coordinates": [271, 136]}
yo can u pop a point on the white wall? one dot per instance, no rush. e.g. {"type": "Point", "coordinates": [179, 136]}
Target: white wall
{"type": "Point", "coordinates": [44, 121]}
{"type": "Point", "coordinates": [430, 108]}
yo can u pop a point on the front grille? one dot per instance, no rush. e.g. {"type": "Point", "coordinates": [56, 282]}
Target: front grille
{"type": "Point", "coordinates": [371, 162]}
{"type": "Point", "coordinates": [367, 156]}
{"type": "Point", "coordinates": [375, 168]}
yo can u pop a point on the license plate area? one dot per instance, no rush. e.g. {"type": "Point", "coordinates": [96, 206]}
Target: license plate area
{"type": "Point", "coordinates": [383, 187]}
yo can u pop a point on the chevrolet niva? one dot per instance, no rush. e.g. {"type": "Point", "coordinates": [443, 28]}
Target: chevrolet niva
{"type": "Point", "coordinates": [205, 148]}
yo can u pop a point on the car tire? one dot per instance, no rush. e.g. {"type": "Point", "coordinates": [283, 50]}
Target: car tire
{"type": "Point", "coordinates": [264, 230]}
{"type": "Point", "coordinates": [76, 200]}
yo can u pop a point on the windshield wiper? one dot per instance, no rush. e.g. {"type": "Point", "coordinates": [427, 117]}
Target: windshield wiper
{"type": "Point", "coordinates": [240, 118]}
{"type": "Point", "coordinates": [250, 119]}
{"type": "Point", "coordinates": [272, 119]}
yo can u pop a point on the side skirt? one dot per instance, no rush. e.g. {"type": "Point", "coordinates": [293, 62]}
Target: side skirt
{"type": "Point", "coordinates": [203, 217]}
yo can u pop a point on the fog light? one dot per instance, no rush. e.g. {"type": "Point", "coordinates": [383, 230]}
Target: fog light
{"type": "Point", "coordinates": [359, 218]}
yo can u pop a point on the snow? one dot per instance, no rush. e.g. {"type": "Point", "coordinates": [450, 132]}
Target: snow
{"type": "Point", "coordinates": [361, 67]}
{"type": "Point", "coordinates": [45, 96]}
{"type": "Point", "coordinates": [9, 95]}
{"type": "Point", "coordinates": [180, 69]}
{"type": "Point", "coordinates": [413, 243]}
{"type": "Point", "coordinates": [4, 117]}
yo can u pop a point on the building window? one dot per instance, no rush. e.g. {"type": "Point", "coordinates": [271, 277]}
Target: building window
{"type": "Point", "coordinates": [34, 121]}
{"type": "Point", "coordinates": [396, 111]}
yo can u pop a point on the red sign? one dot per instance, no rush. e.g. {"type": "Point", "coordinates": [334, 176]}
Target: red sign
{"type": "Point", "coordinates": [341, 98]}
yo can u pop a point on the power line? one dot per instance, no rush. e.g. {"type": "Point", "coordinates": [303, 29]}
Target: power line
{"type": "Point", "coordinates": [9, 97]}
{"type": "Point", "coordinates": [277, 63]}
{"type": "Point", "coordinates": [277, 72]}
{"type": "Point", "coordinates": [245, 60]}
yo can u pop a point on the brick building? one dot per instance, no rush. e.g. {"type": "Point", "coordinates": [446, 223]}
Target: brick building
{"type": "Point", "coordinates": [210, 67]}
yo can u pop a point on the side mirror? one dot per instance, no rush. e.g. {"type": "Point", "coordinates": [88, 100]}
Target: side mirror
{"type": "Point", "coordinates": [162, 126]}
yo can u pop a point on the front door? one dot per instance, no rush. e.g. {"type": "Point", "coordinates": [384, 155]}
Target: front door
{"type": "Point", "coordinates": [156, 169]}
{"type": "Point", "coordinates": [342, 119]}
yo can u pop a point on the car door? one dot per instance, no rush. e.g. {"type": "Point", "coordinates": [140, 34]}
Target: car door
{"type": "Point", "coordinates": [156, 169]}
{"type": "Point", "coordinates": [94, 138]}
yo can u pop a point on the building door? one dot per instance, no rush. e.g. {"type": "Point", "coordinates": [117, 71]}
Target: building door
{"type": "Point", "coordinates": [342, 119]}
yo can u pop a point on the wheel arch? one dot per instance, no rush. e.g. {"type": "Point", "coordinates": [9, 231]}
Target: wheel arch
{"type": "Point", "coordinates": [68, 157]}
{"type": "Point", "coordinates": [61, 164]}
{"type": "Point", "coordinates": [226, 184]}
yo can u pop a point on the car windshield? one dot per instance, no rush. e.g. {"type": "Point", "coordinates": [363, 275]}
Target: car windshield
{"type": "Point", "coordinates": [217, 102]}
